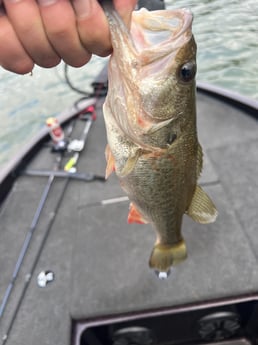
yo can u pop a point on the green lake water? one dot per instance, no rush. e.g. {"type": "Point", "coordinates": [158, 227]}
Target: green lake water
{"type": "Point", "coordinates": [226, 32]}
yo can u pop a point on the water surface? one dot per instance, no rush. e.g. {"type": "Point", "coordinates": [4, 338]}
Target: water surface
{"type": "Point", "coordinates": [226, 32]}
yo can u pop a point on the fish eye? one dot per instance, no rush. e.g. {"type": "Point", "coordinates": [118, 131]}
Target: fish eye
{"type": "Point", "coordinates": [187, 71]}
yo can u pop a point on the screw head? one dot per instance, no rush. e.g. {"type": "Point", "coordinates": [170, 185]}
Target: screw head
{"type": "Point", "coordinates": [44, 278]}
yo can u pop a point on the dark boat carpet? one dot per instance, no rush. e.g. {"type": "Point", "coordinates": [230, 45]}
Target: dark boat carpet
{"type": "Point", "coordinates": [101, 263]}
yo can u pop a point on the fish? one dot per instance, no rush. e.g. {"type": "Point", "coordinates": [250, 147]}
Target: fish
{"type": "Point", "coordinates": [150, 119]}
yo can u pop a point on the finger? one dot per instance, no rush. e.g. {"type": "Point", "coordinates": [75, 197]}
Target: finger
{"type": "Point", "coordinates": [60, 26]}
{"type": "Point", "coordinates": [25, 18]}
{"type": "Point", "coordinates": [13, 57]}
{"type": "Point", "coordinates": [125, 8]}
{"type": "Point", "coordinates": [93, 26]}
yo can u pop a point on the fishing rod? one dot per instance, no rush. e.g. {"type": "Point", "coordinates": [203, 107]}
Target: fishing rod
{"type": "Point", "coordinates": [75, 146]}
{"type": "Point", "coordinates": [28, 237]}
{"type": "Point", "coordinates": [33, 227]}
{"type": "Point", "coordinates": [85, 177]}
{"type": "Point", "coordinates": [34, 264]}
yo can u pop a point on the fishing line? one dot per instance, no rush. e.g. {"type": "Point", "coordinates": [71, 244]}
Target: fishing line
{"type": "Point", "coordinates": [74, 88]}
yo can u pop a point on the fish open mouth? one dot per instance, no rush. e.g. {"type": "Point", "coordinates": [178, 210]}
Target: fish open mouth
{"type": "Point", "coordinates": [152, 30]}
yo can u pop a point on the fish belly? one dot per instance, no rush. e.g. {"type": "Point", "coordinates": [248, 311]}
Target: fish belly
{"type": "Point", "coordinates": [161, 187]}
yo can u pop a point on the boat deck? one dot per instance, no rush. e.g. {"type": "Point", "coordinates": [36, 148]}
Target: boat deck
{"type": "Point", "coordinates": [100, 263]}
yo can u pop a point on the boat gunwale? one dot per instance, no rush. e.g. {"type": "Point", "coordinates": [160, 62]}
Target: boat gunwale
{"type": "Point", "coordinates": [8, 173]}
{"type": "Point", "coordinates": [247, 104]}
{"type": "Point", "coordinates": [79, 326]}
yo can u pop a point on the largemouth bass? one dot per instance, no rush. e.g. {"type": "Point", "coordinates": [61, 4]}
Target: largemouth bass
{"type": "Point", "coordinates": [150, 117]}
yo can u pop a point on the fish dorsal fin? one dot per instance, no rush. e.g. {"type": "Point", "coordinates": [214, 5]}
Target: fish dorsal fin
{"type": "Point", "coordinates": [202, 209]}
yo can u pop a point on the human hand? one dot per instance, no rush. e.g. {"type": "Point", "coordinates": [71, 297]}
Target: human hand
{"type": "Point", "coordinates": [46, 31]}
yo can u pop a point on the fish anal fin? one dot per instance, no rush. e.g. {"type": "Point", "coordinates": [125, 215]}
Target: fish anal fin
{"type": "Point", "coordinates": [110, 161]}
{"type": "Point", "coordinates": [202, 209]}
{"type": "Point", "coordinates": [134, 215]}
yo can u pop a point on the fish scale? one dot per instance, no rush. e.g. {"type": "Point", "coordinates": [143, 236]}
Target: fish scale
{"type": "Point", "coordinates": [150, 117]}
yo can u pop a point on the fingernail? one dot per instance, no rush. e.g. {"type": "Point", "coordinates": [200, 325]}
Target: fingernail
{"type": "Point", "coordinates": [13, 1]}
{"type": "Point", "coordinates": [46, 2]}
{"type": "Point", "coordinates": [83, 8]}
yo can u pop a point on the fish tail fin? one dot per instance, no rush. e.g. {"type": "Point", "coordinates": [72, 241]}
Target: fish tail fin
{"type": "Point", "coordinates": [163, 256]}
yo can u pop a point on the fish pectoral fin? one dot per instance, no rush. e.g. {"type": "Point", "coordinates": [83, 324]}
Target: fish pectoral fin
{"type": "Point", "coordinates": [202, 209]}
{"type": "Point", "coordinates": [130, 163]}
{"type": "Point", "coordinates": [135, 216]}
{"type": "Point", "coordinates": [157, 126]}
{"type": "Point", "coordinates": [110, 161]}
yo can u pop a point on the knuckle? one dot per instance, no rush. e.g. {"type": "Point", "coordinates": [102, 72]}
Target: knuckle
{"type": "Point", "coordinates": [59, 32]}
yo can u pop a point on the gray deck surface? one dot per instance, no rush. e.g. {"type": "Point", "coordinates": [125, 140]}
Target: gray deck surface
{"type": "Point", "coordinates": [101, 263]}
